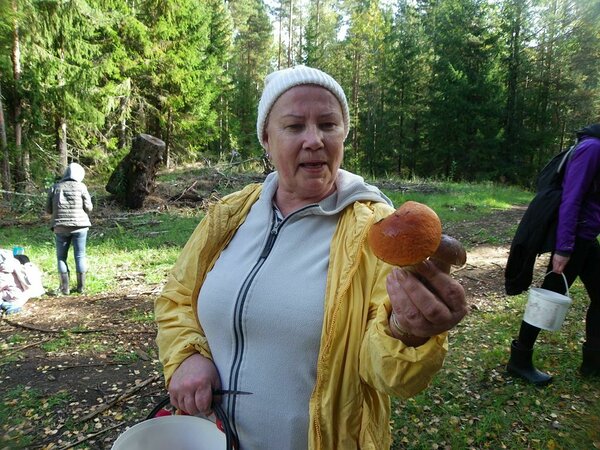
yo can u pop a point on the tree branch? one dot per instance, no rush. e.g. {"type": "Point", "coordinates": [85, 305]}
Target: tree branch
{"type": "Point", "coordinates": [103, 407]}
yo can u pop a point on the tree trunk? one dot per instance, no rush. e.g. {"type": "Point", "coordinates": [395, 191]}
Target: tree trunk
{"type": "Point", "coordinates": [279, 47]}
{"type": "Point", "coordinates": [61, 143]}
{"type": "Point", "coordinates": [355, 107]}
{"type": "Point", "coordinates": [23, 174]}
{"type": "Point", "coordinates": [134, 178]}
{"type": "Point", "coordinates": [5, 155]}
{"type": "Point", "coordinates": [290, 35]}
{"type": "Point", "coordinates": [167, 152]}
{"type": "Point", "coordinates": [318, 28]}
{"type": "Point", "coordinates": [122, 133]}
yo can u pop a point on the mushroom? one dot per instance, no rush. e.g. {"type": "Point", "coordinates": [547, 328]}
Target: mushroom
{"type": "Point", "coordinates": [449, 253]}
{"type": "Point", "coordinates": [412, 234]}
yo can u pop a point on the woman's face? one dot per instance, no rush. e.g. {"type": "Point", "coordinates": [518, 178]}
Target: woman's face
{"type": "Point", "coordinates": [304, 136]}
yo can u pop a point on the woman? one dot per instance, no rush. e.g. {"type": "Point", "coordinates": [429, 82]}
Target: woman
{"type": "Point", "coordinates": [20, 280]}
{"type": "Point", "coordinates": [276, 293]}
{"type": "Point", "coordinates": [576, 254]}
{"type": "Point", "coordinates": [69, 203]}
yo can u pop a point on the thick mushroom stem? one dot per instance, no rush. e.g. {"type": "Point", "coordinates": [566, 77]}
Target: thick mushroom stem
{"type": "Point", "coordinates": [449, 253]}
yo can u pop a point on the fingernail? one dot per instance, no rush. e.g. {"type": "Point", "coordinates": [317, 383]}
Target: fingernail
{"type": "Point", "coordinates": [400, 273]}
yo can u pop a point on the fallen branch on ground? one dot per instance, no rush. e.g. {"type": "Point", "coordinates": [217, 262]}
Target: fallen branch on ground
{"type": "Point", "coordinates": [79, 366]}
{"type": "Point", "coordinates": [103, 407]}
{"type": "Point", "coordinates": [48, 330]}
{"type": "Point", "coordinates": [116, 330]}
{"type": "Point", "coordinates": [473, 278]}
{"type": "Point", "coordinates": [90, 436]}
{"type": "Point", "coordinates": [184, 192]}
{"type": "Point", "coordinates": [29, 327]}
{"type": "Point", "coordinates": [33, 344]}
{"type": "Point", "coordinates": [113, 330]}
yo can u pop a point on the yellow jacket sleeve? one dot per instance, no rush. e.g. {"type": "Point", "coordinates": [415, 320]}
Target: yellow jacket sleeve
{"type": "Point", "coordinates": [390, 366]}
{"type": "Point", "coordinates": [179, 333]}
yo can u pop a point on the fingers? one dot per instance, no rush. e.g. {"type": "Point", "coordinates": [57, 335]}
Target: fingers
{"type": "Point", "coordinates": [192, 401]}
{"type": "Point", "coordinates": [448, 290]}
{"type": "Point", "coordinates": [203, 400]}
{"type": "Point", "coordinates": [191, 386]}
{"type": "Point", "coordinates": [401, 287]}
{"type": "Point", "coordinates": [427, 302]}
{"type": "Point", "coordinates": [559, 263]}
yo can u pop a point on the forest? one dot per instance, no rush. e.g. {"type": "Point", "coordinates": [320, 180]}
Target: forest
{"type": "Point", "coordinates": [457, 90]}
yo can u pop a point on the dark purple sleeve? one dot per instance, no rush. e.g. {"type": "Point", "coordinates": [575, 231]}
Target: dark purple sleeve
{"type": "Point", "coordinates": [579, 177]}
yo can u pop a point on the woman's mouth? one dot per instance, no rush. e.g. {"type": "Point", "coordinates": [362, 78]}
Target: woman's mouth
{"type": "Point", "coordinates": [312, 165]}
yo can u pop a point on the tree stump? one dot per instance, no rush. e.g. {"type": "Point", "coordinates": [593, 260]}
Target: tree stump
{"type": "Point", "coordinates": [134, 178]}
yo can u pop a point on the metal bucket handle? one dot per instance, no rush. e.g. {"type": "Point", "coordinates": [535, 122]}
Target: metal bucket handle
{"type": "Point", "coordinates": [564, 279]}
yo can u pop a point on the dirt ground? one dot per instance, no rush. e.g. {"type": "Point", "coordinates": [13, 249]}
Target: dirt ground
{"type": "Point", "coordinates": [107, 367]}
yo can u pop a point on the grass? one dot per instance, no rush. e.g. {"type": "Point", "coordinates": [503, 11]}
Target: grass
{"type": "Point", "coordinates": [143, 248]}
{"type": "Point", "coordinates": [55, 345]}
{"type": "Point", "coordinates": [23, 412]}
{"type": "Point", "coordinates": [471, 404]}
{"type": "Point", "coordinates": [135, 315]}
{"type": "Point", "coordinates": [123, 356]}
{"type": "Point", "coordinates": [455, 202]}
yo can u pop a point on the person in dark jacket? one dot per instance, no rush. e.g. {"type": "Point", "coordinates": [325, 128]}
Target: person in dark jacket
{"type": "Point", "coordinates": [576, 254]}
{"type": "Point", "coordinates": [69, 202]}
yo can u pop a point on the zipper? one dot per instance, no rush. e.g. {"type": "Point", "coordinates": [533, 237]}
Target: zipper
{"type": "Point", "coordinates": [276, 224]}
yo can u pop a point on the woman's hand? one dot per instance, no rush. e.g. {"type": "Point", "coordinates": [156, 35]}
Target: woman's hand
{"type": "Point", "coordinates": [559, 263]}
{"type": "Point", "coordinates": [425, 303]}
{"type": "Point", "coordinates": [192, 385]}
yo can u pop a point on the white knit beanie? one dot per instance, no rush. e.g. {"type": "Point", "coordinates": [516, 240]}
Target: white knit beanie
{"type": "Point", "coordinates": [276, 83]}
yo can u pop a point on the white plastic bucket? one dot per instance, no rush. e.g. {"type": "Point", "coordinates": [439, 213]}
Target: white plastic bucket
{"type": "Point", "coordinates": [172, 433]}
{"type": "Point", "coordinates": [547, 309]}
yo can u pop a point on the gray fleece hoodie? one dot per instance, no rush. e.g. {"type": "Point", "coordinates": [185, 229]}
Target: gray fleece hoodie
{"type": "Point", "coordinates": [262, 307]}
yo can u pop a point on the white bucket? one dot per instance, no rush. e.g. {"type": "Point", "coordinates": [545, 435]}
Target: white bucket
{"type": "Point", "coordinates": [172, 433]}
{"type": "Point", "coordinates": [547, 309]}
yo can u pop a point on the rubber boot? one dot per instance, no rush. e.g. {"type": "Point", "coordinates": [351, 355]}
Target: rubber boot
{"type": "Point", "coordinates": [590, 367]}
{"type": "Point", "coordinates": [80, 282]}
{"type": "Point", "coordinates": [64, 283]}
{"type": "Point", "coordinates": [521, 365]}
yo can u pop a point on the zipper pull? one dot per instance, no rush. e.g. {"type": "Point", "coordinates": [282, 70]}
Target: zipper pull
{"type": "Point", "coordinates": [271, 239]}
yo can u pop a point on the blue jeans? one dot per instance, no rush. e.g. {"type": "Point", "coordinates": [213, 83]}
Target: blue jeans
{"type": "Point", "coordinates": [63, 242]}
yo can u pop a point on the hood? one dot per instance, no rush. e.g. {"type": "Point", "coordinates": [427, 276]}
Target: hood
{"type": "Point", "coordinates": [589, 130]}
{"type": "Point", "coordinates": [349, 188]}
{"type": "Point", "coordinates": [74, 172]}
{"type": "Point", "coordinates": [352, 187]}
{"type": "Point", "coordinates": [7, 262]}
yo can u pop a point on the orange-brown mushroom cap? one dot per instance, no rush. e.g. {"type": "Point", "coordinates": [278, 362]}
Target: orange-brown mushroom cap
{"type": "Point", "coordinates": [408, 236]}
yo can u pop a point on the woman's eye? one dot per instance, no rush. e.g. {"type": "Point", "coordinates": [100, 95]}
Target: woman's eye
{"type": "Point", "coordinates": [295, 126]}
{"type": "Point", "coordinates": [328, 125]}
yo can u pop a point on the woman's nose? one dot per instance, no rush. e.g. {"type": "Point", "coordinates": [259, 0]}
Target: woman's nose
{"type": "Point", "coordinates": [313, 138]}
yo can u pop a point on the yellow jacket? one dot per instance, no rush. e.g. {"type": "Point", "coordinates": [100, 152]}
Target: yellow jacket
{"type": "Point", "coordinates": [360, 363]}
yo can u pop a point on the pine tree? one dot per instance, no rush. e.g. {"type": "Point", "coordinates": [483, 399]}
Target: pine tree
{"type": "Point", "coordinates": [463, 110]}
{"type": "Point", "coordinates": [249, 65]}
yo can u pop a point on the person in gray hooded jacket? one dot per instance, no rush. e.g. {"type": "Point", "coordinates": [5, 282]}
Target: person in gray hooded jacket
{"type": "Point", "coordinates": [69, 202]}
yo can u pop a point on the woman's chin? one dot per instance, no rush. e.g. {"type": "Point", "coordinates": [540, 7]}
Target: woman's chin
{"type": "Point", "coordinates": [316, 188]}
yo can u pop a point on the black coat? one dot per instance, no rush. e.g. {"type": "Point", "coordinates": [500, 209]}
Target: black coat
{"type": "Point", "coordinates": [536, 233]}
